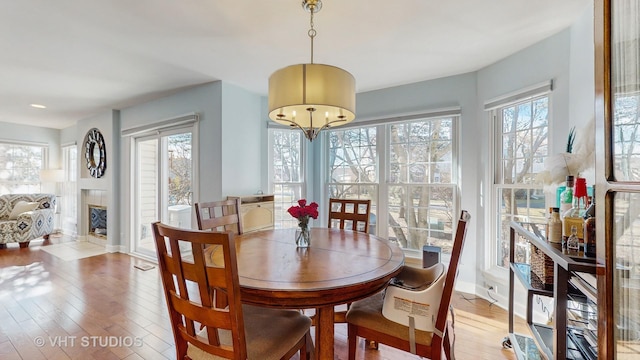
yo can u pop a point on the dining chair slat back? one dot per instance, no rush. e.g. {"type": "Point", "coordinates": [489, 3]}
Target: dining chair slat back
{"type": "Point", "coordinates": [350, 213]}
{"type": "Point", "coordinates": [354, 215]}
{"type": "Point", "coordinates": [201, 330]}
{"type": "Point", "coordinates": [365, 318]}
{"type": "Point", "coordinates": [221, 215]}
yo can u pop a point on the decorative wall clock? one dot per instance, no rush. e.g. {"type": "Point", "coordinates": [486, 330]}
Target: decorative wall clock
{"type": "Point", "coordinates": [95, 153]}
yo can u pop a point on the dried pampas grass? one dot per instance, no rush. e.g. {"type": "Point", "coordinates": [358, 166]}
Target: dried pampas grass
{"type": "Point", "coordinates": [558, 166]}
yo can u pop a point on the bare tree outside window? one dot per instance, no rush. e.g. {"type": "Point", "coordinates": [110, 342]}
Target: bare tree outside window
{"type": "Point", "coordinates": [20, 167]}
{"type": "Point", "coordinates": [421, 191]}
{"type": "Point", "coordinates": [420, 181]}
{"type": "Point", "coordinates": [180, 169]}
{"type": "Point", "coordinates": [627, 136]}
{"type": "Point", "coordinates": [353, 167]}
{"type": "Point", "coordinates": [521, 150]}
{"type": "Point", "coordinates": [287, 178]}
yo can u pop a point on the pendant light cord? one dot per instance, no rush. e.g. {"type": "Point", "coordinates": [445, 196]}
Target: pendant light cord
{"type": "Point", "coordinates": [312, 32]}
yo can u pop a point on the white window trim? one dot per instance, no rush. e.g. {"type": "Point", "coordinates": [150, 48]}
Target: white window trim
{"type": "Point", "coordinates": [184, 123]}
{"type": "Point", "coordinates": [490, 268]}
{"type": "Point", "coordinates": [383, 162]}
{"type": "Point", "coordinates": [45, 154]}
{"type": "Point", "coordinates": [303, 159]}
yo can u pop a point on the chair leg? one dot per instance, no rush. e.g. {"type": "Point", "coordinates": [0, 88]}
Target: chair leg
{"type": "Point", "coordinates": [309, 351]}
{"type": "Point", "coordinates": [304, 351]}
{"type": "Point", "coordinates": [351, 341]}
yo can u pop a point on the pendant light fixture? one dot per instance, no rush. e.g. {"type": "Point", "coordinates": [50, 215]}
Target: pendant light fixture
{"type": "Point", "coordinates": [312, 97]}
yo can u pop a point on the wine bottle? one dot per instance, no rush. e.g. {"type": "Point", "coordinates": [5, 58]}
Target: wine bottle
{"type": "Point", "coordinates": [590, 227]}
{"type": "Point", "coordinates": [574, 216]}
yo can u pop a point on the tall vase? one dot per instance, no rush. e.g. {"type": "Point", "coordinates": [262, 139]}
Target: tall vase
{"type": "Point", "coordinates": [303, 236]}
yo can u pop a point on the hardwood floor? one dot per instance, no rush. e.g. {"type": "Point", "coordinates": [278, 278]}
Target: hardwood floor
{"type": "Point", "coordinates": [102, 307]}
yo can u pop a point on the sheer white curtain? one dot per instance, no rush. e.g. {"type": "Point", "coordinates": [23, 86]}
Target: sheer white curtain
{"type": "Point", "coordinates": [625, 84]}
{"type": "Point", "coordinates": [68, 206]}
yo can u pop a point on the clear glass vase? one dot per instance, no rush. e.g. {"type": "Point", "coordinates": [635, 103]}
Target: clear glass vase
{"type": "Point", "coordinates": [303, 236]}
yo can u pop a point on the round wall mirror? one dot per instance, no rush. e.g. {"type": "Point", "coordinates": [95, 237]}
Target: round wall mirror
{"type": "Point", "coordinates": [95, 153]}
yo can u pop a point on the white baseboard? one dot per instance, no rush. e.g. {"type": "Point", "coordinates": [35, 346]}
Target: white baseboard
{"type": "Point", "coordinates": [465, 287]}
{"type": "Point", "coordinates": [115, 248]}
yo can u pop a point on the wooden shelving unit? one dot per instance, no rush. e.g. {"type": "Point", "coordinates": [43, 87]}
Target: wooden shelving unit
{"type": "Point", "coordinates": [559, 340]}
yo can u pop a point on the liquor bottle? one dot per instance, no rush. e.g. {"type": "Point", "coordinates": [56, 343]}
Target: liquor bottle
{"type": "Point", "coordinates": [572, 241]}
{"type": "Point", "coordinates": [548, 219]}
{"type": "Point", "coordinates": [555, 227]}
{"type": "Point", "coordinates": [590, 227]}
{"type": "Point", "coordinates": [574, 216]}
{"type": "Point", "coordinates": [566, 197]}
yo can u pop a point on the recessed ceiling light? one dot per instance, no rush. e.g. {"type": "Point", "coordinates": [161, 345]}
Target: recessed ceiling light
{"type": "Point", "coordinates": [38, 106]}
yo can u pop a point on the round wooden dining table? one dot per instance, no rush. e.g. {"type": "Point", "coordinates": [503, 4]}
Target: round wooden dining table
{"type": "Point", "coordinates": [339, 267]}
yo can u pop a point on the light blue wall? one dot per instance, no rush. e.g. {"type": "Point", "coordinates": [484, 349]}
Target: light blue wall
{"type": "Point", "coordinates": [456, 90]}
{"type": "Point", "coordinates": [541, 62]}
{"type": "Point", "coordinates": [242, 142]}
{"type": "Point", "coordinates": [229, 139]}
{"type": "Point", "coordinates": [206, 100]}
{"type": "Point", "coordinates": [69, 135]}
{"type": "Point", "coordinates": [582, 71]}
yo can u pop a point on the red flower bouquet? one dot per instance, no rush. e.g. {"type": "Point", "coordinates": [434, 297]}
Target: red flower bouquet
{"type": "Point", "coordinates": [303, 213]}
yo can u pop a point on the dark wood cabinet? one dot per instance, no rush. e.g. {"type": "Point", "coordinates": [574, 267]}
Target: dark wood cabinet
{"type": "Point", "coordinates": [617, 76]}
{"type": "Point", "coordinates": [572, 334]}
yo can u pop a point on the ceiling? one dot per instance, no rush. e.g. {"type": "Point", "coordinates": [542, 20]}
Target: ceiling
{"type": "Point", "coordinates": [80, 57]}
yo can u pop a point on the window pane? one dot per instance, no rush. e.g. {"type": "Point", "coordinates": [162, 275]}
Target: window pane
{"type": "Point", "coordinates": [288, 181]}
{"type": "Point", "coordinates": [422, 203]}
{"type": "Point", "coordinates": [180, 169]}
{"type": "Point", "coordinates": [626, 234]}
{"type": "Point", "coordinates": [20, 167]}
{"type": "Point", "coordinates": [68, 203]}
{"type": "Point", "coordinates": [353, 167]}
{"type": "Point", "coordinates": [626, 135]}
{"type": "Point", "coordinates": [285, 196]}
{"type": "Point", "coordinates": [353, 156]}
{"type": "Point", "coordinates": [521, 156]}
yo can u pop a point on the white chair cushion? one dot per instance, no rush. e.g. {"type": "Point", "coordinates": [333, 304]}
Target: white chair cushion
{"type": "Point", "coordinates": [22, 207]}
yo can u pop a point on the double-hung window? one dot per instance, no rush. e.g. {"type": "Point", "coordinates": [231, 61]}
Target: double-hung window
{"type": "Point", "coordinates": [353, 166]}
{"type": "Point", "coordinates": [520, 148]}
{"type": "Point", "coordinates": [407, 166]}
{"type": "Point", "coordinates": [417, 202]}
{"type": "Point", "coordinates": [286, 173]}
{"type": "Point", "coordinates": [20, 165]}
{"type": "Point", "coordinates": [68, 205]}
{"type": "Point", "coordinates": [422, 186]}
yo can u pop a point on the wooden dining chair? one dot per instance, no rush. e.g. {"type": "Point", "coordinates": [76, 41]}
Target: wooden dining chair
{"type": "Point", "coordinates": [365, 317]}
{"type": "Point", "coordinates": [204, 331]}
{"type": "Point", "coordinates": [219, 215]}
{"type": "Point", "coordinates": [353, 213]}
